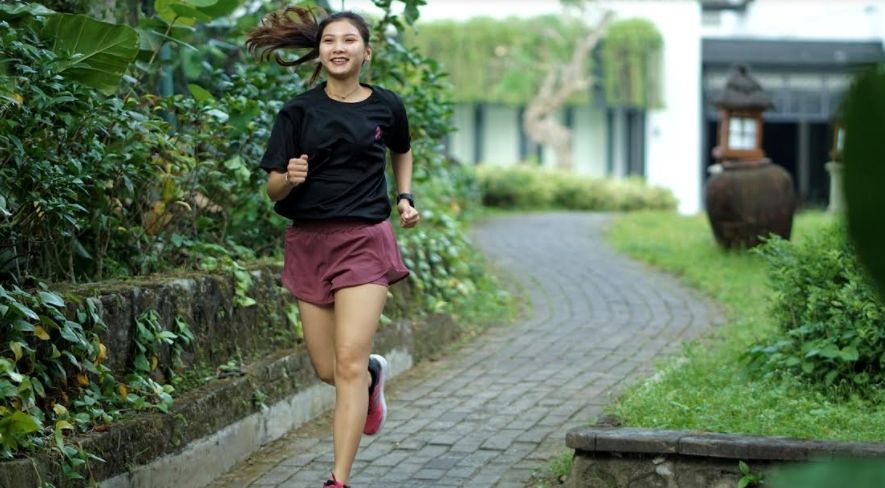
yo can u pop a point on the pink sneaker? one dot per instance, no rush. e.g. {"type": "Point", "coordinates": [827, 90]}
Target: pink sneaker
{"type": "Point", "coordinates": [335, 483]}
{"type": "Point", "coordinates": [377, 405]}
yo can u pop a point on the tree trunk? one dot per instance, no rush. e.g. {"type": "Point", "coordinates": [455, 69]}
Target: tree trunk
{"type": "Point", "coordinates": [561, 83]}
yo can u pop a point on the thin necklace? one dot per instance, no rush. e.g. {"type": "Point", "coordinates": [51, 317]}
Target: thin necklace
{"type": "Point", "coordinates": [341, 97]}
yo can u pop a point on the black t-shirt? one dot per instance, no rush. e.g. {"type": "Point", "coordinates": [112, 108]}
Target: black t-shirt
{"type": "Point", "coordinates": [346, 154]}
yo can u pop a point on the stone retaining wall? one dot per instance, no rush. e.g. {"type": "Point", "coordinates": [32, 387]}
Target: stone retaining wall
{"type": "Point", "coordinates": [230, 417]}
{"type": "Point", "coordinates": [608, 457]}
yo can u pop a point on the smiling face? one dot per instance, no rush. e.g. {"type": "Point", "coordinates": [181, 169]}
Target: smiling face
{"type": "Point", "coordinates": [343, 50]}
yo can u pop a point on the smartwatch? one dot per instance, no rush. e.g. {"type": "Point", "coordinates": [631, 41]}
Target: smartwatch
{"type": "Point", "coordinates": [407, 196]}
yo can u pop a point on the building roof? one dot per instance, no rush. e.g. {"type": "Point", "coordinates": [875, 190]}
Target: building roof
{"type": "Point", "coordinates": [791, 53]}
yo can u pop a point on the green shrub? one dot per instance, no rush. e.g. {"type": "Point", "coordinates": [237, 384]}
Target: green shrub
{"type": "Point", "coordinates": [531, 187]}
{"type": "Point", "coordinates": [831, 322]}
{"type": "Point", "coordinates": [518, 187]}
{"type": "Point", "coordinates": [77, 170]}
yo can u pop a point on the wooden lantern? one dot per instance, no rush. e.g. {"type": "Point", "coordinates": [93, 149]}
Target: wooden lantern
{"type": "Point", "coordinates": [740, 118]}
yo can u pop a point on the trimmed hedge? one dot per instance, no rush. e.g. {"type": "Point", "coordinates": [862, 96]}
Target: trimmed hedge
{"type": "Point", "coordinates": [531, 187]}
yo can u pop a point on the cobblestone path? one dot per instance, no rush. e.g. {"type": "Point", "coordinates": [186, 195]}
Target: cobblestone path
{"type": "Point", "coordinates": [498, 409]}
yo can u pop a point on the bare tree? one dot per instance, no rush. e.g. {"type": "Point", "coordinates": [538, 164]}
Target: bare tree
{"type": "Point", "coordinates": [563, 80]}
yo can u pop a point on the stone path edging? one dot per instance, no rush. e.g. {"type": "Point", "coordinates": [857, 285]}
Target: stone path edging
{"type": "Point", "coordinates": [616, 457]}
{"type": "Point", "coordinates": [705, 444]}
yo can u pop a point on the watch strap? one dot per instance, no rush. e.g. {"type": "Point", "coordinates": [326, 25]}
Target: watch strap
{"type": "Point", "coordinates": [407, 196]}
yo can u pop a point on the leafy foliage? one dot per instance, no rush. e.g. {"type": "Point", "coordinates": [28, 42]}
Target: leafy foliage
{"type": "Point", "coordinates": [97, 53]}
{"type": "Point", "coordinates": [75, 180]}
{"type": "Point", "coordinates": [52, 377]}
{"type": "Point", "coordinates": [748, 477]}
{"type": "Point", "coordinates": [129, 198]}
{"type": "Point", "coordinates": [631, 54]}
{"type": "Point", "coordinates": [501, 61]}
{"type": "Point", "coordinates": [831, 321]}
{"type": "Point", "coordinates": [528, 187]}
{"type": "Point", "coordinates": [497, 61]}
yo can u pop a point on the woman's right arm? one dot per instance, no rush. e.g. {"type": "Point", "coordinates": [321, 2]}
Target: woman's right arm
{"type": "Point", "coordinates": [280, 183]}
{"type": "Point", "coordinates": [277, 186]}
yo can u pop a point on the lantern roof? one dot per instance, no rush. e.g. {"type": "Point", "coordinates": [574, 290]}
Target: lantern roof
{"type": "Point", "coordinates": [743, 91]}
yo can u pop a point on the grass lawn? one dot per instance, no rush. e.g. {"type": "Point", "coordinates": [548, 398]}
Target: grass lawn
{"type": "Point", "coordinates": [705, 388]}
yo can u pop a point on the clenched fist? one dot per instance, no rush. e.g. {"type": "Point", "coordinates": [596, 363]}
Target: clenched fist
{"type": "Point", "coordinates": [408, 216]}
{"type": "Point", "coordinates": [296, 171]}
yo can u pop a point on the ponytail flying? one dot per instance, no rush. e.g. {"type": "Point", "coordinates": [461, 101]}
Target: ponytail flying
{"type": "Point", "coordinates": [280, 30]}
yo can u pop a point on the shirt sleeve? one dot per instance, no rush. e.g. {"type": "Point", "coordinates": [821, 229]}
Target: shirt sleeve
{"type": "Point", "coordinates": [398, 138]}
{"type": "Point", "coordinates": [281, 145]}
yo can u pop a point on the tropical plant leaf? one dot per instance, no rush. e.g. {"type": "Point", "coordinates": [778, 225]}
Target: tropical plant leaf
{"type": "Point", "coordinates": [186, 12]}
{"type": "Point", "coordinates": [16, 425]}
{"type": "Point", "coordinates": [102, 51]}
{"type": "Point", "coordinates": [200, 94]}
{"type": "Point", "coordinates": [22, 13]}
{"type": "Point", "coordinates": [49, 298]}
{"type": "Point", "coordinates": [151, 40]}
{"type": "Point", "coordinates": [222, 8]}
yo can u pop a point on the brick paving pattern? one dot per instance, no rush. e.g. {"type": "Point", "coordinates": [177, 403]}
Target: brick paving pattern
{"type": "Point", "coordinates": [493, 412]}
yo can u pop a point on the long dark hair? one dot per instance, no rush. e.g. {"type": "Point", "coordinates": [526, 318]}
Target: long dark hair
{"type": "Point", "coordinates": [279, 30]}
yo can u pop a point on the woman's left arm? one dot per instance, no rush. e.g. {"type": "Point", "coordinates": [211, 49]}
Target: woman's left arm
{"type": "Point", "coordinates": [402, 171]}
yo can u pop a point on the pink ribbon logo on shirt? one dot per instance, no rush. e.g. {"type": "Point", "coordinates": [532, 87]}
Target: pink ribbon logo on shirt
{"type": "Point", "coordinates": [377, 133]}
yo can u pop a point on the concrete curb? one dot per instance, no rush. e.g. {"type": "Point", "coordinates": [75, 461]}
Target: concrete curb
{"type": "Point", "coordinates": [621, 457]}
{"type": "Point", "coordinates": [217, 453]}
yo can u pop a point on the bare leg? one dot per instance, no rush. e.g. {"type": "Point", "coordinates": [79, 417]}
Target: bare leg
{"type": "Point", "coordinates": [357, 310]}
{"type": "Point", "coordinates": [318, 323]}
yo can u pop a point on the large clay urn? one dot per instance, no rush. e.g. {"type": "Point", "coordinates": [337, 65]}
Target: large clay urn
{"type": "Point", "coordinates": [747, 197]}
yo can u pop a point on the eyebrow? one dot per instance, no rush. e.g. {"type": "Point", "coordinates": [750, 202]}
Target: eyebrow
{"type": "Point", "coordinates": [351, 34]}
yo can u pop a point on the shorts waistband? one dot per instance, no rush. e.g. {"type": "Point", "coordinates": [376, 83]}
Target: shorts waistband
{"type": "Point", "coordinates": [332, 225]}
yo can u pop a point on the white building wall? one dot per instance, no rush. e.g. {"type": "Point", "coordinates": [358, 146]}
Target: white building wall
{"type": "Point", "coordinates": [619, 144]}
{"type": "Point", "coordinates": [588, 141]}
{"type": "Point", "coordinates": [461, 141]}
{"type": "Point", "coordinates": [500, 135]}
{"type": "Point", "coordinates": [673, 133]}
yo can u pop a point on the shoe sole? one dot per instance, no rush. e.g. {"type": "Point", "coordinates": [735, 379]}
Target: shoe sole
{"type": "Point", "coordinates": [385, 370]}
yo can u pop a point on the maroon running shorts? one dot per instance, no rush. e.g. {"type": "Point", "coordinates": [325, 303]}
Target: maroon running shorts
{"type": "Point", "coordinates": [324, 256]}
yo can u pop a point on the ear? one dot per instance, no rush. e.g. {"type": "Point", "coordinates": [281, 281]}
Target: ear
{"type": "Point", "coordinates": [368, 53]}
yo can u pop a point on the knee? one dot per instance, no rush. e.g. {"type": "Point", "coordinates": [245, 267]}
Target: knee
{"type": "Point", "coordinates": [351, 368]}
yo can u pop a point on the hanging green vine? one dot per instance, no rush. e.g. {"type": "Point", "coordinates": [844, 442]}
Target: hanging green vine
{"type": "Point", "coordinates": [502, 61]}
{"type": "Point", "coordinates": [631, 57]}
{"type": "Point", "coordinates": [498, 61]}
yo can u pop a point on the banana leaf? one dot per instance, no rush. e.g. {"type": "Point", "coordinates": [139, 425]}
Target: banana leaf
{"type": "Point", "coordinates": [101, 51]}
